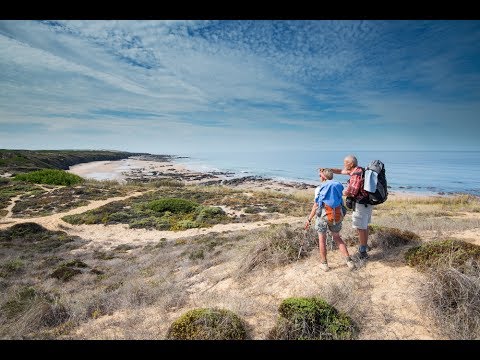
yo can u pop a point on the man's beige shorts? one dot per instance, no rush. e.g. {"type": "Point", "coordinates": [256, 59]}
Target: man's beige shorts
{"type": "Point", "coordinates": [362, 216]}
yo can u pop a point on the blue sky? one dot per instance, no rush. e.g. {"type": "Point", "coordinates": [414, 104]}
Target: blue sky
{"type": "Point", "coordinates": [180, 87]}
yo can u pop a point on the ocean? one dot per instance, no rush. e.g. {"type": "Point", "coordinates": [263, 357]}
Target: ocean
{"type": "Point", "coordinates": [423, 172]}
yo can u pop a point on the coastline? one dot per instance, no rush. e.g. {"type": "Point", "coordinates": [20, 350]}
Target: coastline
{"type": "Point", "coordinates": [146, 169]}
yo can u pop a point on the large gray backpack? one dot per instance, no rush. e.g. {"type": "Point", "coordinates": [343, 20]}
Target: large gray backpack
{"type": "Point", "coordinates": [375, 182]}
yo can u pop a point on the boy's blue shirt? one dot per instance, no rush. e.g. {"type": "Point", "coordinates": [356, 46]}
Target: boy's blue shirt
{"type": "Point", "coordinates": [329, 192]}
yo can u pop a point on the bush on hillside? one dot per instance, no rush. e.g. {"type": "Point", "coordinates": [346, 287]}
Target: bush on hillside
{"type": "Point", "coordinates": [174, 205]}
{"type": "Point", "coordinates": [50, 177]}
{"type": "Point", "coordinates": [33, 237]}
{"type": "Point", "coordinates": [208, 324]}
{"type": "Point", "coordinates": [311, 319]}
{"type": "Point", "coordinates": [443, 253]}
{"type": "Point", "coordinates": [387, 237]}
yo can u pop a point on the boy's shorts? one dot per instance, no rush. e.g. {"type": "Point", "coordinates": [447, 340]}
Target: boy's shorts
{"type": "Point", "coordinates": [321, 224]}
{"type": "Point", "coordinates": [362, 216]}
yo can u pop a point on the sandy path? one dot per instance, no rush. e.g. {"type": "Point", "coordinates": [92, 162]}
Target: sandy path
{"type": "Point", "coordinates": [114, 235]}
{"type": "Point", "coordinates": [9, 208]}
{"type": "Point", "coordinates": [53, 222]}
{"type": "Point", "coordinates": [107, 236]}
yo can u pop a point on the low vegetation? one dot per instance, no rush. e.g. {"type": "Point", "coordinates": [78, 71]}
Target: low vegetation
{"type": "Point", "coordinates": [432, 205]}
{"type": "Point", "coordinates": [386, 237]}
{"type": "Point", "coordinates": [50, 177]}
{"type": "Point", "coordinates": [440, 253]}
{"type": "Point", "coordinates": [158, 210]}
{"type": "Point", "coordinates": [160, 214]}
{"type": "Point", "coordinates": [65, 198]}
{"type": "Point", "coordinates": [311, 319]}
{"type": "Point", "coordinates": [18, 161]}
{"type": "Point", "coordinates": [69, 269]}
{"type": "Point", "coordinates": [10, 189]}
{"type": "Point", "coordinates": [208, 324]}
{"type": "Point", "coordinates": [31, 237]}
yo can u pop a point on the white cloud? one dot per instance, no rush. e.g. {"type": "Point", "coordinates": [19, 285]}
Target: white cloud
{"type": "Point", "coordinates": [235, 79]}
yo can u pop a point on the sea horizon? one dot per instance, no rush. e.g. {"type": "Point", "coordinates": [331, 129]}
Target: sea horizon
{"type": "Point", "coordinates": [422, 172]}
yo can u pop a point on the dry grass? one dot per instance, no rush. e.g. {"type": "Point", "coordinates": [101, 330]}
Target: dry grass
{"type": "Point", "coordinates": [279, 245]}
{"type": "Point", "coordinates": [411, 222]}
{"type": "Point", "coordinates": [468, 203]}
{"type": "Point", "coordinates": [452, 299]}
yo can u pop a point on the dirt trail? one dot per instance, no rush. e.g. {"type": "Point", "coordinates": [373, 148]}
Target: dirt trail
{"type": "Point", "coordinates": [53, 222]}
{"type": "Point", "coordinates": [9, 208]}
{"type": "Point", "coordinates": [113, 235]}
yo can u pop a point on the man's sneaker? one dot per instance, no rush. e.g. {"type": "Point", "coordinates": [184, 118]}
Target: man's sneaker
{"type": "Point", "coordinates": [324, 266]}
{"type": "Point", "coordinates": [350, 264]}
{"type": "Point", "coordinates": [362, 255]}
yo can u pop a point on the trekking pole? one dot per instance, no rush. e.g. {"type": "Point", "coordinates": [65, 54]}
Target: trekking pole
{"type": "Point", "coordinates": [303, 243]}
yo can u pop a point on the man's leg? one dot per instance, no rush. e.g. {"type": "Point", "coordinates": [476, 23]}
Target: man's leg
{"type": "Point", "coordinates": [363, 236]}
{"type": "Point", "coordinates": [361, 217]}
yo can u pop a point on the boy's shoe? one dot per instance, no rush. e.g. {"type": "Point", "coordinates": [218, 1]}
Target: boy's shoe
{"type": "Point", "coordinates": [350, 264]}
{"type": "Point", "coordinates": [324, 266]}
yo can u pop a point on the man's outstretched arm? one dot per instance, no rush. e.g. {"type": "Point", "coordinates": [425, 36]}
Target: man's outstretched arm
{"type": "Point", "coordinates": [340, 171]}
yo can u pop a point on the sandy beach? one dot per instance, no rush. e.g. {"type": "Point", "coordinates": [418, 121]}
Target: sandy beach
{"type": "Point", "coordinates": [148, 170]}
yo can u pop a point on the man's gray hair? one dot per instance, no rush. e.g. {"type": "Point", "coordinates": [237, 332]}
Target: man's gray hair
{"type": "Point", "coordinates": [351, 158]}
{"type": "Point", "coordinates": [328, 173]}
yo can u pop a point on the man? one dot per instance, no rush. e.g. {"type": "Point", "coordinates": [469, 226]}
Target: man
{"type": "Point", "coordinates": [362, 212]}
{"type": "Point", "coordinates": [329, 193]}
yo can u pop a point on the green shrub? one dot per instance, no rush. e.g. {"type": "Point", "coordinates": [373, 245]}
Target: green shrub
{"type": "Point", "coordinates": [208, 324]}
{"type": "Point", "coordinates": [174, 205]}
{"type": "Point", "coordinates": [185, 224]}
{"type": "Point", "coordinates": [196, 254]}
{"type": "Point", "coordinates": [166, 182]}
{"type": "Point", "coordinates": [387, 237]}
{"type": "Point", "coordinates": [10, 267]}
{"type": "Point", "coordinates": [33, 237]}
{"type": "Point", "coordinates": [311, 319]}
{"type": "Point", "coordinates": [440, 253]}
{"type": "Point", "coordinates": [210, 214]}
{"type": "Point", "coordinates": [146, 223]}
{"type": "Point", "coordinates": [51, 177]}
{"type": "Point", "coordinates": [19, 303]}
{"type": "Point", "coordinates": [68, 269]}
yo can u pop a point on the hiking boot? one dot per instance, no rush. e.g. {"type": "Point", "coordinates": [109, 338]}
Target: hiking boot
{"type": "Point", "coordinates": [324, 266]}
{"type": "Point", "coordinates": [350, 264]}
{"type": "Point", "coordinates": [362, 255]}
